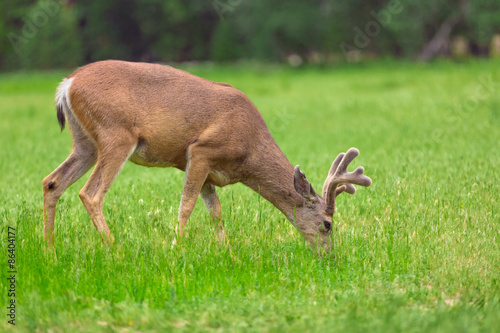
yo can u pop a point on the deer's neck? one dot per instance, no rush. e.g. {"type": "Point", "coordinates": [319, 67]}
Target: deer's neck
{"type": "Point", "coordinates": [271, 175]}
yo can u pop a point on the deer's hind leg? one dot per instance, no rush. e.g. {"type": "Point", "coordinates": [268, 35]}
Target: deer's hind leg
{"type": "Point", "coordinates": [111, 158]}
{"type": "Point", "coordinates": [82, 158]}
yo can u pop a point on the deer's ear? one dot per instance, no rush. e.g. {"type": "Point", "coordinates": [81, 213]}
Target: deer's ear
{"type": "Point", "coordinates": [301, 184]}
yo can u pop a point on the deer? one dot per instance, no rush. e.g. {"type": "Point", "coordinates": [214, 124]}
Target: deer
{"type": "Point", "coordinates": [157, 116]}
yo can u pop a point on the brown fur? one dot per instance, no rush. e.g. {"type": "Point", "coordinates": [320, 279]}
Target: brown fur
{"type": "Point", "coordinates": [155, 115]}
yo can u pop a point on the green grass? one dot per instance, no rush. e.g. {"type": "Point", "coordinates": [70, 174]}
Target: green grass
{"type": "Point", "coordinates": [417, 251]}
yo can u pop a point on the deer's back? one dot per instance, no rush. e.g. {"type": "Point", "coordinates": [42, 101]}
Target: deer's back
{"type": "Point", "coordinates": [165, 109]}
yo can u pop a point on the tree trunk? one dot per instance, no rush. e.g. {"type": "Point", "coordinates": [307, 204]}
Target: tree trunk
{"type": "Point", "coordinates": [443, 33]}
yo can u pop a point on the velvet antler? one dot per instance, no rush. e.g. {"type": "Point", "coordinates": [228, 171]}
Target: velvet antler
{"type": "Point", "coordinates": [339, 180]}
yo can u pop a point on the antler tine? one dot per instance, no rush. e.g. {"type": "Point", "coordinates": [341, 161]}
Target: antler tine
{"type": "Point", "coordinates": [335, 164]}
{"type": "Point", "coordinates": [331, 173]}
{"type": "Point", "coordinates": [339, 166]}
{"type": "Point", "coordinates": [339, 180]}
{"type": "Point", "coordinates": [349, 188]}
{"type": "Point", "coordinates": [351, 154]}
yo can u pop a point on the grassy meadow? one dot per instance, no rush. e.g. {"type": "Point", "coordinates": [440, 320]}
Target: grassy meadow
{"type": "Point", "coordinates": [417, 251]}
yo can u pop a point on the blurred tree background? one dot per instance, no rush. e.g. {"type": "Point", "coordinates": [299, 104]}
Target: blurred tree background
{"type": "Point", "coordinates": [54, 34]}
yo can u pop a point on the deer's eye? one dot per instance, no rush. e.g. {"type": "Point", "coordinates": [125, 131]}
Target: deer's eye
{"type": "Point", "coordinates": [327, 226]}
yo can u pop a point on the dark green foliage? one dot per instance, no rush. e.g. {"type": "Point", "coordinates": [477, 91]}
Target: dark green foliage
{"type": "Point", "coordinates": [225, 30]}
{"type": "Point", "coordinates": [484, 20]}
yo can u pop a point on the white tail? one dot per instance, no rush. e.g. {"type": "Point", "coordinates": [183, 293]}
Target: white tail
{"type": "Point", "coordinates": [62, 101]}
{"type": "Point", "coordinates": [156, 115]}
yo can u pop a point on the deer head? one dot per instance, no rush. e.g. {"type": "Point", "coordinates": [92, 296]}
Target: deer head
{"type": "Point", "coordinates": [313, 216]}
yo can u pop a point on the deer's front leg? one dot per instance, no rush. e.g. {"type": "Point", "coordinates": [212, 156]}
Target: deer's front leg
{"type": "Point", "coordinates": [211, 200]}
{"type": "Point", "coordinates": [196, 174]}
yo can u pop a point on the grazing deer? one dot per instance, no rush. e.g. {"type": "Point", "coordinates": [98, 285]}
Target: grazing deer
{"type": "Point", "coordinates": [158, 116]}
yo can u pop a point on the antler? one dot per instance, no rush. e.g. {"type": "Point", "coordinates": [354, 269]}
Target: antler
{"type": "Point", "coordinates": [339, 180]}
